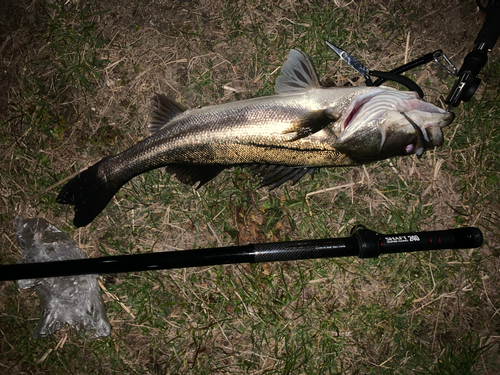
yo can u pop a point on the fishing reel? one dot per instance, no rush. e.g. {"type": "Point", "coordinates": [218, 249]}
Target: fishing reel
{"type": "Point", "coordinates": [467, 77]}
{"type": "Point", "coordinates": [468, 82]}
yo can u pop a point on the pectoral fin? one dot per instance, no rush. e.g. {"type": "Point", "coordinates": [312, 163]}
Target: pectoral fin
{"type": "Point", "coordinates": [312, 123]}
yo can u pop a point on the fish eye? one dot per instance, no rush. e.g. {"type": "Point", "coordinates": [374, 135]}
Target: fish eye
{"type": "Point", "coordinates": [410, 149]}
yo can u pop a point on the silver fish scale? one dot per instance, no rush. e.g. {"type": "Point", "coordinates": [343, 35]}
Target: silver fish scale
{"type": "Point", "coordinates": [246, 132]}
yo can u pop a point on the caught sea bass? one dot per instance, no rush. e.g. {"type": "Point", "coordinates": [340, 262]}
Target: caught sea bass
{"type": "Point", "coordinates": [282, 137]}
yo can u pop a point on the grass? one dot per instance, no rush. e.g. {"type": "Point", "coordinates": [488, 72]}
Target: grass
{"type": "Point", "coordinates": [83, 79]}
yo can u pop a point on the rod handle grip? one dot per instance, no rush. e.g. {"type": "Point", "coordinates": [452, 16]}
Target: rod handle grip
{"type": "Point", "coordinates": [458, 238]}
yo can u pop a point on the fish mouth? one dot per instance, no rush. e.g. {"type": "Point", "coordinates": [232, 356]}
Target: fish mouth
{"type": "Point", "coordinates": [421, 137]}
{"type": "Point", "coordinates": [429, 132]}
{"type": "Point", "coordinates": [389, 123]}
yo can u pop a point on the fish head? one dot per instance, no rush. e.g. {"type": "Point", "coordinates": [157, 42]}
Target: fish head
{"type": "Point", "coordinates": [387, 123]}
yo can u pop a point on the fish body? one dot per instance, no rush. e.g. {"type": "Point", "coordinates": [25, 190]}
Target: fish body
{"type": "Point", "coordinates": [282, 137]}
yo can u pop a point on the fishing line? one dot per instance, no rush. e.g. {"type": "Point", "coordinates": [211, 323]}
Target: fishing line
{"type": "Point", "coordinates": [419, 147]}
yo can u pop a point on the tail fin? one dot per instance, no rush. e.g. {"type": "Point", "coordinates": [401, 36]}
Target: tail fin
{"type": "Point", "coordinates": [89, 192]}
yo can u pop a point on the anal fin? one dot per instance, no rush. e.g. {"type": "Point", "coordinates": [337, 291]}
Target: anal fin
{"type": "Point", "coordinates": [272, 175]}
{"type": "Point", "coordinates": [192, 174]}
{"type": "Point", "coordinates": [276, 175]}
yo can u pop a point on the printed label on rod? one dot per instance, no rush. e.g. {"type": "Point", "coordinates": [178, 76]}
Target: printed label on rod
{"type": "Point", "coordinates": [402, 239]}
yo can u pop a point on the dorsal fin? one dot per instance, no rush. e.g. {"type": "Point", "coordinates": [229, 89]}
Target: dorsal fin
{"type": "Point", "coordinates": [297, 74]}
{"type": "Point", "coordinates": [162, 110]}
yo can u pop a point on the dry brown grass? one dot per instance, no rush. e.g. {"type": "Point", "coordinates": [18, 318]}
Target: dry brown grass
{"type": "Point", "coordinates": [338, 316]}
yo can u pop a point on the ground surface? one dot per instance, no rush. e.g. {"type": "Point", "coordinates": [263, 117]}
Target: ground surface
{"type": "Point", "coordinates": [75, 83]}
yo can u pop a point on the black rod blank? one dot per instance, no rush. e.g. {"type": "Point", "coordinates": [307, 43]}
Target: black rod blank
{"type": "Point", "coordinates": [364, 243]}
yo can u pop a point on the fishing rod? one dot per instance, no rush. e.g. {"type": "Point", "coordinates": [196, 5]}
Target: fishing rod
{"type": "Point", "coordinates": [363, 242]}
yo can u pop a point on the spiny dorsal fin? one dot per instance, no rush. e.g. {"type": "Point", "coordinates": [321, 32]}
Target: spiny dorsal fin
{"type": "Point", "coordinates": [162, 110]}
{"type": "Point", "coordinates": [297, 74]}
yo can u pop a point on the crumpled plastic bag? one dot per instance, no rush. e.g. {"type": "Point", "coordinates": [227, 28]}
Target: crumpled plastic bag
{"type": "Point", "coordinates": [73, 300]}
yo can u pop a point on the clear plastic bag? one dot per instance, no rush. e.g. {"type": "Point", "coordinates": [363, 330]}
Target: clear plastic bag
{"type": "Point", "coordinates": [73, 300]}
